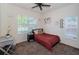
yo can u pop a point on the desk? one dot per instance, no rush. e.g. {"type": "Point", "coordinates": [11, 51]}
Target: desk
{"type": "Point", "coordinates": [6, 41]}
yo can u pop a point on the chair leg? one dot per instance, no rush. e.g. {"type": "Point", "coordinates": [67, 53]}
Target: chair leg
{"type": "Point", "coordinates": [9, 48]}
{"type": "Point", "coordinates": [12, 50]}
{"type": "Point", "coordinates": [5, 52]}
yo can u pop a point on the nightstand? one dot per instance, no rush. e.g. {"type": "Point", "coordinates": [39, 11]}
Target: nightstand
{"type": "Point", "coordinates": [30, 37]}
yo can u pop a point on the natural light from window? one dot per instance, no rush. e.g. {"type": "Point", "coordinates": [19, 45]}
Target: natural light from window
{"type": "Point", "coordinates": [26, 24]}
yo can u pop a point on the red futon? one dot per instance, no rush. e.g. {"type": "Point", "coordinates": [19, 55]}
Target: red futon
{"type": "Point", "coordinates": [47, 40]}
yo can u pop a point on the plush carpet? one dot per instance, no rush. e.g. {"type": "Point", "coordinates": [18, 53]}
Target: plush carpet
{"type": "Point", "coordinates": [33, 48]}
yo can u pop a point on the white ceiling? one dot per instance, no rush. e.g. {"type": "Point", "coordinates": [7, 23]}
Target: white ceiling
{"type": "Point", "coordinates": [54, 6]}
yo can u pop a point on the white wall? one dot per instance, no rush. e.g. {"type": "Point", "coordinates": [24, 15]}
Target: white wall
{"type": "Point", "coordinates": [9, 15]}
{"type": "Point", "coordinates": [0, 19]}
{"type": "Point", "coordinates": [54, 26]}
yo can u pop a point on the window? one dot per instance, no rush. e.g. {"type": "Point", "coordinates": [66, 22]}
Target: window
{"type": "Point", "coordinates": [26, 24]}
{"type": "Point", "coordinates": [71, 27]}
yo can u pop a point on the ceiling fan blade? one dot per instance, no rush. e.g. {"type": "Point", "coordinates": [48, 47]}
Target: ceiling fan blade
{"type": "Point", "coordinates": [46, 5]}
{"type": "Point", "coordinates": [36, 3]}
{"type": "Point", "coordinates": [40, 8]}
{"type": "Point", "coordinates": [34, 6]}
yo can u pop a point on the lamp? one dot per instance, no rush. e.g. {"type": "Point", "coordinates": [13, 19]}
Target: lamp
{"type": "Point", "coordinates": [8, 31]}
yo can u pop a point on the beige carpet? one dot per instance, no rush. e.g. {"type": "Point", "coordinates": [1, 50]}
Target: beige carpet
{"type": "Point", "coordinates": [33, 48]}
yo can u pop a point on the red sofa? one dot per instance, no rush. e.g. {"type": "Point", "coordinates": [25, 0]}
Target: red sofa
{"type": "Point", "coordinates": [47, 40]}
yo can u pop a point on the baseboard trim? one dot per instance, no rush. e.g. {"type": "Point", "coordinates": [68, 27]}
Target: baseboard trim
{"type": "Point", "coordinates": [20, 42]}
{"type": "Point", "coordinates": [70, 46]}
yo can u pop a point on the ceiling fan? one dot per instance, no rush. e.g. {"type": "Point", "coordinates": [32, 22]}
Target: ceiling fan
{"type": "Point", "coordinates": [41, 5]}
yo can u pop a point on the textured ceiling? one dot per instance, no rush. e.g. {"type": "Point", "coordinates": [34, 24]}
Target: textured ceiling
{"type": "Point", "coordinates": [54, 6]}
